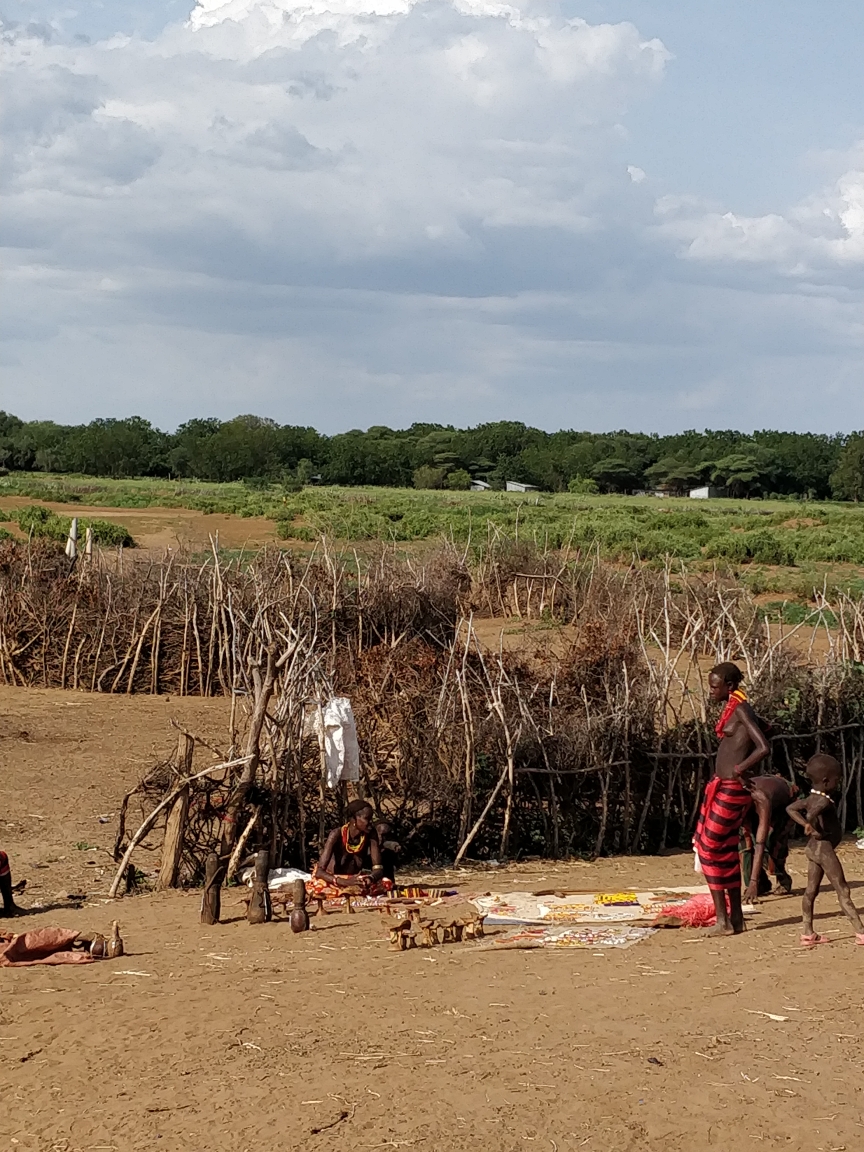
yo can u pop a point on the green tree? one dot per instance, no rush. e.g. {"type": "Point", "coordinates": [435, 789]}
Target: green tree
{"type": "Point", "coordinates": [615, 475]}
{"type": "Point", "coordinates": [117, 448]}
{"type": "Point", "coordinates": [675, 474]}
{"type": "Point", "coordinates": [739, 472]}
{"type": "Point", "coordinates": [847, 479]}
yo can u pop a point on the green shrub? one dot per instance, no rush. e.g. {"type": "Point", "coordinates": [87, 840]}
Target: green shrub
{"type": "Point", "coordinates": [106, 532]}
{"type": "Point", "coordinates": [767, 547]}
{"type": "Point", "coordinates": [458, 480]}
{"type": "Point", "coordinates": [762, 546]}
{"type": "Point", "coordinates": [583, 486]}
{"type": "Point", "coordinates": [428, 477]}
{"type": "Point", "coordinates": [36, 520]}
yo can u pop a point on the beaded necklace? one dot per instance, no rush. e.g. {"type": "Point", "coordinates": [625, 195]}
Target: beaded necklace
{"type": "Point", "coordinates": [735, 698]}
{"type": "Point", "coordinates": [354, 849]}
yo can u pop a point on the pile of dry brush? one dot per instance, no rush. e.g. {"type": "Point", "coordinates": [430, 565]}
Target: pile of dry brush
{"type": "Point", "coordinates": [597, 743]}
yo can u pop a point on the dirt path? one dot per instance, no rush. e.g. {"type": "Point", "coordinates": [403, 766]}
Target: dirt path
{"type": "Point", "coordinates": [251, 1038]}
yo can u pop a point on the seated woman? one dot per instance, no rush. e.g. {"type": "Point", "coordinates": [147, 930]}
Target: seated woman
{"type": "Point", "coordinates": [351, 860]}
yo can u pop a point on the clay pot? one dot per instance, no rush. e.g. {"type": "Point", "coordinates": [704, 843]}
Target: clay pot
{"type": "Point", "coordinates": [299, 920]}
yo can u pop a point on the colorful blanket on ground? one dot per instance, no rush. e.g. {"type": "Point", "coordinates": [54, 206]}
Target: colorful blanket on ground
{"type": "Point", "coordinates": [580, 908]}
{"type": "Point", "coordinates": [41, 946]}
{"type": "Point", "coordinates": [587, 936]}
{"type": "Point", "coordinates": [361, 886]}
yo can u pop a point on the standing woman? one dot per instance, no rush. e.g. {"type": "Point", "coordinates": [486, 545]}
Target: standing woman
{"type": "Point", "coordinates": [728, 798]}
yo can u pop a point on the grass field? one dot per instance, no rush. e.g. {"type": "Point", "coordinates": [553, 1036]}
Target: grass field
{"type": "Point", "coordinates": [775, 546]}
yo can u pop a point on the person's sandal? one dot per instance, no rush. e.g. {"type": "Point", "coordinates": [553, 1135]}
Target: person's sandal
{"type": "Point", "coordinates": [814, 939]}
{"type": "Point", "coordinates": [859, 938]}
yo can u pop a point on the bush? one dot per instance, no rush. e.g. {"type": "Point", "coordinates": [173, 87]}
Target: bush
{"type": "Point", "coordinates": [37, 521]}
{"type": "Point", "coordinates": [429, 477]}
{"type": "Point", "coordinates": [583, 486]}
{"type": "Point", "coordinates": [765, 547]}
{"type": "Point", "coordinates": [762, 546]}
{"type": "Point", "coordinates": [458, 481]}
{"type": "Point", "coordinates": [34, 520]}
{"type": "Point", "coordinates": [106, 532]}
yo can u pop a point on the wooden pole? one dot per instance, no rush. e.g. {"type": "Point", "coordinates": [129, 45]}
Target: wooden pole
{"type": "Point", "coordinates": [260, 910]}
{"type": "Point", "coordinates": [172, 845]}
{"type": "Point", "coordinates": [211, 901]}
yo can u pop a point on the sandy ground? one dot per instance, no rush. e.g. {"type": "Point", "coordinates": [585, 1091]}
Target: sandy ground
{"type": "Point", "coordinates": [157, 529]}
{"type": "Point", "coordinates": [254, 1039]}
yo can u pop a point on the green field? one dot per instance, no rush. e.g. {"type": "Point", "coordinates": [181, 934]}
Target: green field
{"type": "Point", "coordinates": [787, 547]}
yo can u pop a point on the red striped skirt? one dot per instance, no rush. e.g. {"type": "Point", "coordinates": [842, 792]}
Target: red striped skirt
{"type": "Point", "coordinates": [724, 808]}
{"type": "Point", "coordinates": [4, 864]}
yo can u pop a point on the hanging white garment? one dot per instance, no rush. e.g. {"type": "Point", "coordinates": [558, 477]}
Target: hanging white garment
{"type": "Point", "coordinates": [341, 749]}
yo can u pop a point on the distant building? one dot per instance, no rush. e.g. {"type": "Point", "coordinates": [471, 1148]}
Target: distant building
{"type": "Point", "coordinates": [515, 486]}
{"type": "Point", "coordinates": [706, 493]}
{"type": "Point", "coordinates": [480, 486]}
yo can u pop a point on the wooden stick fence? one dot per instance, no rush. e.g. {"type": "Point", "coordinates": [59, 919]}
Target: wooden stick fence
{"type": "Point", "coordinates": [602, 747]}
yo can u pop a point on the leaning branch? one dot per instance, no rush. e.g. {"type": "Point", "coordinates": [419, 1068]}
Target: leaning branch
{"type": "Point", "coordinates": [151, 819]}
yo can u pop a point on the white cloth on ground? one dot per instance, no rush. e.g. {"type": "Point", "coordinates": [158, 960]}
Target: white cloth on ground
{"type": "Point", "coordinates": [277, 877]}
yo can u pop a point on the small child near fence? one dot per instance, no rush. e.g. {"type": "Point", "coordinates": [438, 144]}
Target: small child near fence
{"type": "Point", "coordinates": [817, 815]}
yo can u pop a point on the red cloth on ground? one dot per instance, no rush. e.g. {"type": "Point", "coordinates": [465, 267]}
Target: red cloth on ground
{"type": "Point", "coordinates": [41, 946]}
{"type": "Point", "coordinates": [723, 811]}
{"type": "Point", "coordinates": [697, 912]}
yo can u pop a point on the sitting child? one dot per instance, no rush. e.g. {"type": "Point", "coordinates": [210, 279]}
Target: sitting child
{"type": "Point", "coordinates": [817, 815]}
{"type": "Point", "coordinates": [390, 849]}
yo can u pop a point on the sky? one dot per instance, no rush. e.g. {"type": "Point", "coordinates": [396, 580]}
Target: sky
{"type": "Point", "coordinates": [594, 214]}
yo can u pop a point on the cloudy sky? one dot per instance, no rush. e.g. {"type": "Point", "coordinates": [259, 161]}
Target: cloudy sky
{"type": "Point", "coordinates": [594, 214]}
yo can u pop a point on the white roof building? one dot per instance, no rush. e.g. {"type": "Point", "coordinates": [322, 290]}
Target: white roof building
{"type": "Point", "coordinates": [706, 493]}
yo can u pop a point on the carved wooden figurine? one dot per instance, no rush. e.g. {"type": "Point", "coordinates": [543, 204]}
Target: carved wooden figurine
{"type": "Point", "coordinates": [260, 909]}
{"type": "Point", "coordinates": [115, 943]}
{"type": "Point", "coordinates": [299, 918]}
{"type": "Point", "coordinates": [211, 901]}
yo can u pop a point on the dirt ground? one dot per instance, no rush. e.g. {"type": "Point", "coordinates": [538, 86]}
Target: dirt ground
{"type": "Point", "coordinates": [155, 530]}
{"type": "Point", "coordinates": [252, 1038]}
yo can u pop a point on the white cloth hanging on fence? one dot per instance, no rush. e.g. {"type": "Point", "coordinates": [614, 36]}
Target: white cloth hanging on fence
{"type": "Point", "coordinates": [341, 750]}
{"type": "Point", "coordinates": [72, 542]}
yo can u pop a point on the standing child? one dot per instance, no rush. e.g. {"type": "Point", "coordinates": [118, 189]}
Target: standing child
{"type": "Point", "coordinates": [817, 815]}
{"type": "Point", "coordinates": [10, 908]}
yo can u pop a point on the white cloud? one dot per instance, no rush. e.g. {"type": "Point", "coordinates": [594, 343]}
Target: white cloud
{"type": "Point", "coordinates": [359, 211]}
{"type": "Point", "coordinates": [824, 231]}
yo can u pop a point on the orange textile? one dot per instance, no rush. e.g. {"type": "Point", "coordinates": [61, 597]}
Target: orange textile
{"type": "Point", "coordinates": [41, 946]}
{"type": "Point", "coordinates": [320, 889]}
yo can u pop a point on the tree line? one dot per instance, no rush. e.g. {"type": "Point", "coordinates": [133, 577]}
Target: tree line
{"type": "Point", "coordinates": [258, 450]}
